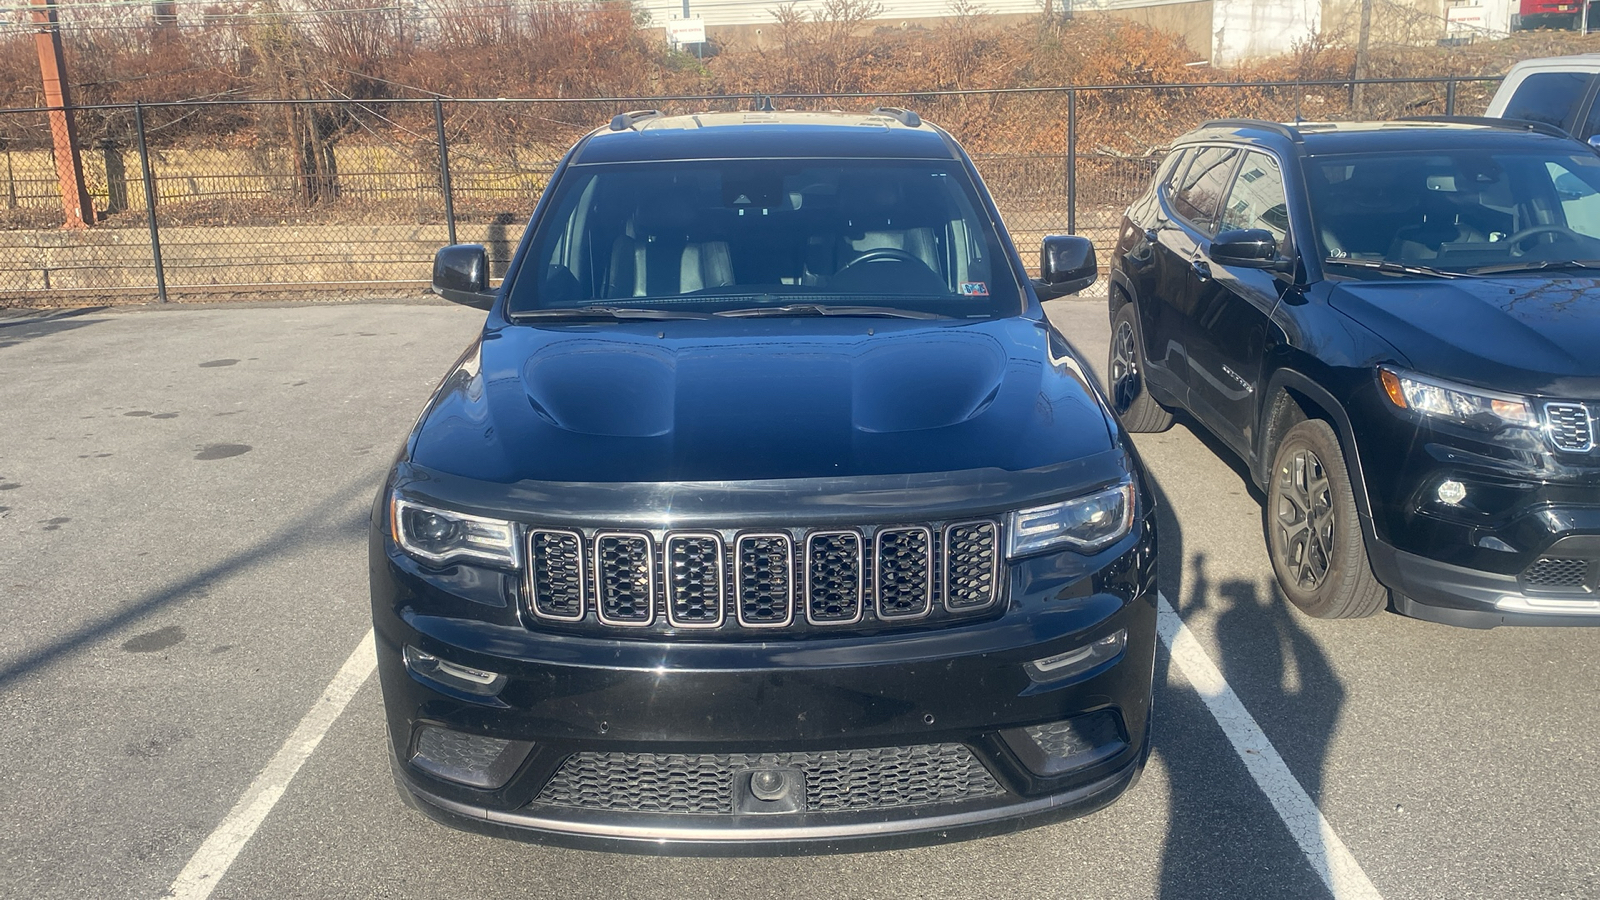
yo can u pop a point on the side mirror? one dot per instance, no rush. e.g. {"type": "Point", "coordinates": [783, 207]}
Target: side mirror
{"type": "Point", "coordinates": [1594, 142]}
{"type": "Point", "coordinates": [461, 275]}
{"type": "Point", "coordinates": [1248, 248]}
{"type": "Point", "coordinates": [1066, 265]}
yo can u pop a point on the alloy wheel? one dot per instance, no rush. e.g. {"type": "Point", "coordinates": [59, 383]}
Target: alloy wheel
{"type": "Point", "coordinates": [1124, 368]}
{"type": "Point", "coordinates": [1303, 499]}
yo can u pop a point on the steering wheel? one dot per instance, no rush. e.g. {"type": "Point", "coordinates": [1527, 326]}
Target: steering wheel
{"type": "Point", "coordinates": [1535, 231]}
{"type": "Point", "coordinates": [882, 254]}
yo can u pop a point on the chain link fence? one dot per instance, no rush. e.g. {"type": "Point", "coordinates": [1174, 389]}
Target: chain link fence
{"type": "Point", "coordinates": [356, 196]}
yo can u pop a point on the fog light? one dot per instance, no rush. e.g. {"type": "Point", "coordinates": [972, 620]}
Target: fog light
{"type": "Point", "coordinates": [1058, 747]}
{"type": "Point", "coordinates": [453, 675]}
{"type": "Point", "coordinates": [470, 759]}
{"type": "Point", "coordinates": [1452, 492]}
{"type": "Point", "coordinates": [1079, 659]}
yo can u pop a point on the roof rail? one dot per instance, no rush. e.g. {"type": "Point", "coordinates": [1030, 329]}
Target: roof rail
{"type": "Point", "coordinates": [627, 120]}
{"type": "Point", "coordinates": [1288, 131]}
{"type": "Point", "coordinates": [1519, 124]}
{"type": "Point", "coordinates": [904, 116]}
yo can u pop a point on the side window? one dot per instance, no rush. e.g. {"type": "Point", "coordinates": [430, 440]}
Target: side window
{"type": "Point", "coordinates": [1580, 202]}
{"type": "Point", "coordinates": [1200, 190]}
{"type": "Point", "coordinates": [1257, 199]}
{"type": "Point", "coordinates": [1167, 175]}
{"type": "Point", "coordinates": [1548, 97]}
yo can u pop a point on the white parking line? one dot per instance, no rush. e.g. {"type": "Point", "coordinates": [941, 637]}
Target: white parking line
{"type": "Point", "coordinates": [199, 878]}
{"type": "Point", "coordinates": [1328, 855]}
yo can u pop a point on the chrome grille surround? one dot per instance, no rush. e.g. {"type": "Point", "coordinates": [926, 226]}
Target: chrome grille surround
{"type": "Point", "coordinates": [836, 579]}
{"type": "Point", "coordinates": [898, 553]}
{"type": "Point", "coordinates": [557, 582]}
{"type": "Point", "coordinates": [625, 578]}
{"type": "Point", "coordinates": [694, 580]}
{"type": "Point", "coordinates": [755, 570]}
{"type": "Point", "coordinates": [971, 565]}
{"type": "Point", "coordinates": [726, 582]}
{"type": "Point", "coordinates": [1570, 426]}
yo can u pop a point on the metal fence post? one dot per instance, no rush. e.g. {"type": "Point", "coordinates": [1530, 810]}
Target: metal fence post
{"type": "Point", "coordinates": [444, 170]}
{"type": "Point", "coordinates": [150, 204]}
{"type": "Point", "coordinates": [1072, 162]}
{"type": "Point", "coordinates": [1450, 97]}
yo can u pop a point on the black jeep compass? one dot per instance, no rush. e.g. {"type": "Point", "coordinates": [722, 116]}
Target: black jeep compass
{"type": "Point", "coordinates": [768, 514]}
{"type": "Point", "coordinates": [1397, 327]}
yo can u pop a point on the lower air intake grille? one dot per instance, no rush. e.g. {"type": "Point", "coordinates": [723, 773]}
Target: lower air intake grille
{"type": "Point", "coordinates": [1555, 574]}
{"type": "Point", "coordinates": [1571, 426]}
{"type": "Point", "coordinates": [702, 783]}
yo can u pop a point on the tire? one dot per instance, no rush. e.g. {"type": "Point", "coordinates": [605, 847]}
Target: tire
{"type": "Point", "coordinates": [1125, 366]}
{"type": "Point", "coordinates": [1312, 529]}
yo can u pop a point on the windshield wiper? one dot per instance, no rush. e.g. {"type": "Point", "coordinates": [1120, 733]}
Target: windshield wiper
{"type": "Point", "coordinates": [1379, 265]}
{"type": "Point", "coordinates": [605, 312]}
{"type": "Point", "coordinates": [1536, 265]}
{"type": "Point", "coordinates": [814, 309]}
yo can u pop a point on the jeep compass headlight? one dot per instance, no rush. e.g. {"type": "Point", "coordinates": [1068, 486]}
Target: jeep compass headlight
{"type": "Point", "coordinates": [1084, 523]}
{"type": "Point", "coordinates": [1455, 402]}
{"type": "Point", "coordinates": [440, 535]}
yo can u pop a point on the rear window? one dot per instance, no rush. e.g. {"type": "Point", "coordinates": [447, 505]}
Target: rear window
{"type": "Point", "coordinates": [711, 235]}
{"type": "Point", "coordinates": [1202, 186]}
{"type": "Point", "coordinates": [1548, 97]}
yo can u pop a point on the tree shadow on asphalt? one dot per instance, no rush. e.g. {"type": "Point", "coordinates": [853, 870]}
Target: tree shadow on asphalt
{"type": "Point", "coordinates": [1223, 838]}
{"type": "Point", "coordinates": [28, 326]}
{"type": "Point", "coordinates": [320, 524]}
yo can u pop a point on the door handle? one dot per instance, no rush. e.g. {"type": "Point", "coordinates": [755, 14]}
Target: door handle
{"type": "Point", "coordinates": [1202, 269]}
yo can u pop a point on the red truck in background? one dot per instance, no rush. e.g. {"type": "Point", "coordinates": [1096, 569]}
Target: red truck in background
{"type": "Point", "coordinates": [1561, 14]}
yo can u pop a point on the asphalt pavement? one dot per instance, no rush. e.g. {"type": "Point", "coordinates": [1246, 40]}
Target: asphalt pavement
{"type": "Point", "coordinates": [183, 497]}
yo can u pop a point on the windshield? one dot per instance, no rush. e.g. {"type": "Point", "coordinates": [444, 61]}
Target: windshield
{"type": "Point", "coordinates": [1463, 211]}
{"type": "Point", "coordinates": [780, 236]}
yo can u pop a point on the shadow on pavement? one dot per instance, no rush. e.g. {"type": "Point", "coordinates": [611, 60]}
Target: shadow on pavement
{"type": "Point", "coordinates": [14, 329]}
{"type": "Point", "coordinates": [1223, 838]}
{"type": "Point", "coordinates": [319, 524]}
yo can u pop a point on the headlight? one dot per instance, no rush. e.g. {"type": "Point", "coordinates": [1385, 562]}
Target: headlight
{"type": "Point", "coordinates": [1455, 402]}
{"type": "Point", "coordinates": [440, 535]}
{"type": "Point", "coordinates": [1085, 523]}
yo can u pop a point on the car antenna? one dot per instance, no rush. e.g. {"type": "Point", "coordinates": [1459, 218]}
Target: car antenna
{"type": "Point", "coordinates": [764, 103]}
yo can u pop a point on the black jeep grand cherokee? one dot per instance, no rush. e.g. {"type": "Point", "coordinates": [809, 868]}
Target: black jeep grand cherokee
{"type": "Point", "coordinates": [1397, 327]}
{"type": "Point", "coordinates": [768, 514]}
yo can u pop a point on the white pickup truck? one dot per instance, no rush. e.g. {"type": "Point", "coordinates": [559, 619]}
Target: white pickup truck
{"type": "Point", "coordinates": [1557, 91]}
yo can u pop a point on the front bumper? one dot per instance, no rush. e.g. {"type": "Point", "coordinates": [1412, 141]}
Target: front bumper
{"type": "Point", "coordinates": [1474, 598]}
{"type": "Point", "coordinates": [768, 703]}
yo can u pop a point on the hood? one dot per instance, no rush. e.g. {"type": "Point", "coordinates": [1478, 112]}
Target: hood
{"type": "Point", "coordinates": [1527, 334]}
{"type": "Point", "coordinates": [749, 399]}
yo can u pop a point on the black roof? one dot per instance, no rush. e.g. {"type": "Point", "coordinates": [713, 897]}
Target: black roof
{"type": "Point", "coordinates": [638, 137]}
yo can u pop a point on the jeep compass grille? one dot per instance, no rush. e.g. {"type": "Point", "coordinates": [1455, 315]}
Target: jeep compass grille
{"type": "Point", "coordinates": [1557, 574]}
{"type": "Point", "coordinates": [703, 783]}
{"type": "Point", "coordinates": [1571, 426]}
{"type": "Point", "coordinates": [793, 579]}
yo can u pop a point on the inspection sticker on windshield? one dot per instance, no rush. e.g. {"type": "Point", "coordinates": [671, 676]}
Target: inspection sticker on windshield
{"type": "Point", "coordinates": [974, 289]}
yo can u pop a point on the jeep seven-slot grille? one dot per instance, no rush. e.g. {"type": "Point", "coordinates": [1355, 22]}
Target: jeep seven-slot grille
{"type": "Point", "coordinates": [834, 781]}
{"type": "Point", "coordinates": [1571, 426]}
{"type": "Point", "coordinates": [785, 578]}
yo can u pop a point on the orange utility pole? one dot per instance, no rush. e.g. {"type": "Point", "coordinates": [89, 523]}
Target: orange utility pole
{"type": "Point", "coordinates": [69, 165]}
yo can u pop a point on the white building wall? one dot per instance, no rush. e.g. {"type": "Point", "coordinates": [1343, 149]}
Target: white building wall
{"type": "Point", "coordinates": [1246, 29]}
